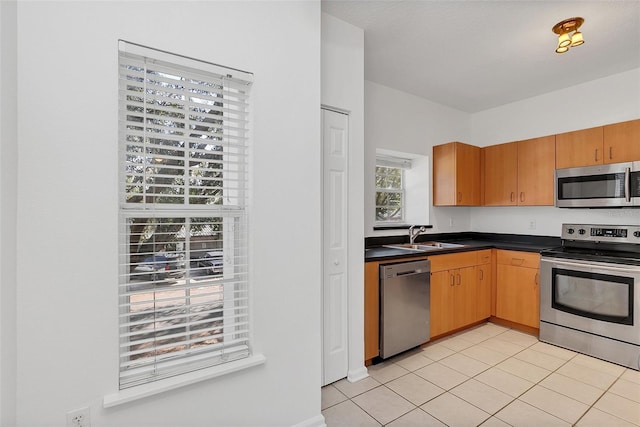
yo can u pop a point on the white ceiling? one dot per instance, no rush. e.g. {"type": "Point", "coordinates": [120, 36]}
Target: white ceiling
{"type": "Point", "coordinates": [474, 55]}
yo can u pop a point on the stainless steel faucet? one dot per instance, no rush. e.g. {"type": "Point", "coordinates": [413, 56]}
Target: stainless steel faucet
{"type": "Point", "coordinates": [413, 232]}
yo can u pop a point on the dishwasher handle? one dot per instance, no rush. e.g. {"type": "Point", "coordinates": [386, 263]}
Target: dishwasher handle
{"type": "Point", "coordinates": [405, 269]}
{"type": "Point", "coordinates": [412, 272]}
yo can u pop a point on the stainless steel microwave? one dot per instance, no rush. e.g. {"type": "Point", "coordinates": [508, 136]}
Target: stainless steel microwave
{"type": "Point", "coordinates": [602, 186]}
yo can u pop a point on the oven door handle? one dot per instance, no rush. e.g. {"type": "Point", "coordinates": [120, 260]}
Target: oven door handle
{"type": "Point", "coordinates": [591, 265]}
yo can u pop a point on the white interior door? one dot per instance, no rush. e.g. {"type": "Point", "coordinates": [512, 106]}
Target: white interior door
{"type": "Point", "coordinates": [335, 143]}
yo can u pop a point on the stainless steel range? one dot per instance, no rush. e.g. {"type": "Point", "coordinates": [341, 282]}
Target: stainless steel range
{"type": "Point", "coordinates": [590, 292]}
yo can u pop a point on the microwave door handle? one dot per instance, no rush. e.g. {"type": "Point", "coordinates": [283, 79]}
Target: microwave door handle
{"type": "Point", "coordinates": [627, 189]}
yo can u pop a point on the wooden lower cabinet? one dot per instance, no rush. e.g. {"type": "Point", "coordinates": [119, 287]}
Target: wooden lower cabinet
{"type": "Point", "coordinates": [466, 288]}
{"type": "Point", "coordinates": [459, 297]}
{"type": "Point", "coordinates": [461, 293]}
{"type": "Point", "coordinates": [453, 294]}
{"type": "Point", "coordinates": [371, 309]}
{"type": "Point", "coordinates": [442, 302]}
{"type": "Point", "coordinates": [518, 287]}
{"type": "Point", "coordinates": [484, 288]}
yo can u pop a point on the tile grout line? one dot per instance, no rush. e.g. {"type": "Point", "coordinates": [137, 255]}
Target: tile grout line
{"type": "Point", "coordinates": [538, 383]}
{"type": "Point", "coordinates": [490, 366]}
{"type": "Point", "coordinates": [364, 410]}
{"type": "Point", "coordinates": [601, 396]}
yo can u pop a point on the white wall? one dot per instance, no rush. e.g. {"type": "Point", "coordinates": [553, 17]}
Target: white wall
{"type": "Point", "coordinates": [398, 121]}
{"type": "Point", "coordinates": [8, 196]}
{"type": "Point", "coordinates": [608, 100]}
{"type": "Point", "coordinates": [67, 207]}
{"type": "Point", "coordinates": [343, 88]}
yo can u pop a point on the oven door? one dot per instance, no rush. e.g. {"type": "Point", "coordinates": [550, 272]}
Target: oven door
{"type": "Point", "coordinates": [599, 298]}
{"type": "Point", "coordinates": [594, 186]}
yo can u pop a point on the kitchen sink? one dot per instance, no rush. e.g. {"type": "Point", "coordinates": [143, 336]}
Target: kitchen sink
{"type": "Point", "coordinates": [425, 246]}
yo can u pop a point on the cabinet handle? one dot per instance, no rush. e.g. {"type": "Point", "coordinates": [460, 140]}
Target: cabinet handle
{"type": "Point", "coordinates": [610, 153]}
{"type": "Point", "coordinates": [453, 280]}
{"type": "Point", "coordinates": [517, 261]}
{"type": "Point", "coordinates": [481, 274]}
{"type": "Point", "coordinates": [596, 155]}
{"type": "Point", "coordinates": [522, 196]}
{"type": "Point", "coordinates": [459, 279]}
{"type": "Point", "coordinates": [459, 196]}
{"type": "Point", "coordinates": [537, 279]}
{"type": "Point", "coordinates": [512, 197]}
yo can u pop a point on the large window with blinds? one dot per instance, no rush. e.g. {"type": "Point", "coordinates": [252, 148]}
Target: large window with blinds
{"type": "Point", "coordinates": [183, 288]}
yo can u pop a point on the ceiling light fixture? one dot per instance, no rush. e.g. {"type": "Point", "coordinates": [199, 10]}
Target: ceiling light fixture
{"type": "Point", "coordinates": [568, 34]}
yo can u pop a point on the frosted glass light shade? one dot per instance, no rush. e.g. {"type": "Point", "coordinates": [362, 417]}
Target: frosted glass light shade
{"type": "Point", "coordinates": [564, 40]}
{"type": "Point", "coordinates": [576, 39]}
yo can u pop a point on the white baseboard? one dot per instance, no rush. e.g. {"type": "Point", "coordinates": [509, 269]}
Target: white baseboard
{"type": "Point", "coordinates": [317, 421]}
{"type": "Point", "coordinates": [355, 375]}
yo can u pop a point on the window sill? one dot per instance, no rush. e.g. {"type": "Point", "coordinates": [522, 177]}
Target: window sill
{"type": "Point", "coordinates": [397, 226]}
{"type": "Point", "coordinates": [161, 386]}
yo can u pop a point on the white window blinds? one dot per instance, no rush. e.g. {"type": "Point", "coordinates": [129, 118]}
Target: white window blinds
{"type": "Point", "coordinates": [183, 214]}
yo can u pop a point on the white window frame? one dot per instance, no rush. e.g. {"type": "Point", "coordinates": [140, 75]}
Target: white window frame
{"type": "Point", "coordinates": [194, 195]}
{"type": "Point", "coordinates": [392, 163]}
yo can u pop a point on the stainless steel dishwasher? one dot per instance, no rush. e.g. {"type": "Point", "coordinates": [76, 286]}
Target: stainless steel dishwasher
{"type": "Point", "coordinates": [404, 306]}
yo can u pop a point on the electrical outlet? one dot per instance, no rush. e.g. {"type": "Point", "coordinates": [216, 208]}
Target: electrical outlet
{"type": "Point", "coordinates": [79, 418]}
{"type": "Point", "coordinates": [532, 224]}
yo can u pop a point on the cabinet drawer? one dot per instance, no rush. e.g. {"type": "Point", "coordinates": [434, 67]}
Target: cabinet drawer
{"type": "Point", "coordinates": [452, 261]}
{"type": "Point", "coordinates": [484, 257]}
{"type": "Point", "coordinates": [519, 258]}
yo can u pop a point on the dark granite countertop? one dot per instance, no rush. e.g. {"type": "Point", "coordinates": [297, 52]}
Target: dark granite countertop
{"type": "Point", "coordinates": [375, 250]}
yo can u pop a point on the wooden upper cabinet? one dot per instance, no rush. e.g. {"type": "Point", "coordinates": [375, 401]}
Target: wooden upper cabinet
{"type": "Point", "coordinates": [500, 164]}
{"type": "Point", "coordinates": [536, 166]}
{"type": "Point", "coordinates": [456, 175]}
{"type": "Point", "coordinates": [622, 142]}
{"type": "Point", "coordinates": [580, 148]}
{"type": "Point", "coordinates": [615, 143]}
{"type": "Point", "coordinates": [519, 173]}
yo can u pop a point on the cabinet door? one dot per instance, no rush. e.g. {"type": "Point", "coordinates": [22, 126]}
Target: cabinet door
{"type": "Point", "coordinates": [622, 142]}
{"type": "Point", "coordinates": [464, 296]}
{"type": "Point", "coordinates": [501, 174]}
{"type": "Point", "coordinates": [444, 175]}
{"type": "Point", "coordinates": [467, 175]}
{"type": "Point", "coordinates": [456, 175]}
{"type": "Point", "coordinates": [580, 148]}
{"type": "Point", "coordinates": [536, 167]}
{"type": "Point", "coordinates": [518, 295]}
{"type": "Point", "coordinates": [442, 298]}
{"type": "Point", "coordinates": [483, 292]}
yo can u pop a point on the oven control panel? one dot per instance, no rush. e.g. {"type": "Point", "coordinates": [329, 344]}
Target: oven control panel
{"type": "Point", "coordinates": [602, 233]}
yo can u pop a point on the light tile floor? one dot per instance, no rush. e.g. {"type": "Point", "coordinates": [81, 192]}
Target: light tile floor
{"type": "Point", "coordinates": [489, 376]}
